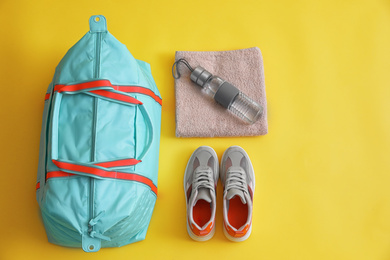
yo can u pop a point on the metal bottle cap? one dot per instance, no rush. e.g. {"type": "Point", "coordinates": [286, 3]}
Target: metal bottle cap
{"type": "Point", "coordinates": [200, 76]}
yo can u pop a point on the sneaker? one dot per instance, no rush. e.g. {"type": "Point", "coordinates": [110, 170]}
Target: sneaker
{"type": "Point", "coordinates": [200, 182]}
{"type": "Point", "coordinates": [238, 181]}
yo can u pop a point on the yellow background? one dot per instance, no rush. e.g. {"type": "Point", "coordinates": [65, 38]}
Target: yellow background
{"type": "Point", "coordinates": [322, 172]}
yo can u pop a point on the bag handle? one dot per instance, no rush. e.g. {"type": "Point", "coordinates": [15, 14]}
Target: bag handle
{"type": "Point", "coordinates": [100, 88]}
{"type": "Point", "coordinates": [105, 90]}
{"type": "Point", "coordinates": [99, 172]}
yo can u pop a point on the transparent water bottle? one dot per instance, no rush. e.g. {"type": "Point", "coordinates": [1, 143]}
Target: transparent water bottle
{"type": "Point", "coordinates": [227, 95]}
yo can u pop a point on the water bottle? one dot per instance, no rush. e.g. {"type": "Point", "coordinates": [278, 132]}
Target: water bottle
{"type": "Point", "coordinates": [227, 95]}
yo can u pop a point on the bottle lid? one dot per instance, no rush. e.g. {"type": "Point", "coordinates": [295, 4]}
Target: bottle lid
{"type": "Point", "coordinates": [200, 76]}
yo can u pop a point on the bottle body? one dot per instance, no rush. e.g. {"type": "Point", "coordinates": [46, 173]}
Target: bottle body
{"type": "Point", "coordinates": [234, 100]}
{"type": "Point", "coordinates": [245, 108]}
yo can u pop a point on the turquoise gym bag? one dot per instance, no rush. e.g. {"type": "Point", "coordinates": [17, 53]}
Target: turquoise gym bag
{"type": "Point", "coordinates": [99, 148]}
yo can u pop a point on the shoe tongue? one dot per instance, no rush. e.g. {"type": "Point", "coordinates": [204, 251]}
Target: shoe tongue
{"type": "Point", "coordinates": [203, 194]}
{"type": "Point", "coordinates": [236, 192]}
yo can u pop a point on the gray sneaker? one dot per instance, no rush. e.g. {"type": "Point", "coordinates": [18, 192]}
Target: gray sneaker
{"type": "Point", "coordinates": [238, 181]}
{"type": "Point", "coordinates": [200, 183]}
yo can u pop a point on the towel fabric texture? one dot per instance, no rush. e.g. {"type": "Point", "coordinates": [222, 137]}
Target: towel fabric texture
{"type": "Point", "coordinates": [198, 115]}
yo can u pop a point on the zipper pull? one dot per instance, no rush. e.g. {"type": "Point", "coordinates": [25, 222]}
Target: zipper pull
{"type": "Point", "coordinates": [97, 23]}
{"type": "Point", "coordinates": [93, 221]}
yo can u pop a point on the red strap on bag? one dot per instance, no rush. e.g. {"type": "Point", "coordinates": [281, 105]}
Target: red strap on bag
{"type": "Point", "coordinates": [118, 163]}
{"type": "Point", "coordinates": [106, 83]}
{"type": "Point", "coordinates": [89, 170]}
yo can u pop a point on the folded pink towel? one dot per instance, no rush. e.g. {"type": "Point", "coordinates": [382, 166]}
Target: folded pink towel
{"type": "Point", "coordinates": [198, 115]}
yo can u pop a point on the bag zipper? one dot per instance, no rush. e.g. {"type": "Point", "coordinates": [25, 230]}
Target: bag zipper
{"type": "Point", "coordinates": [94, 119]}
